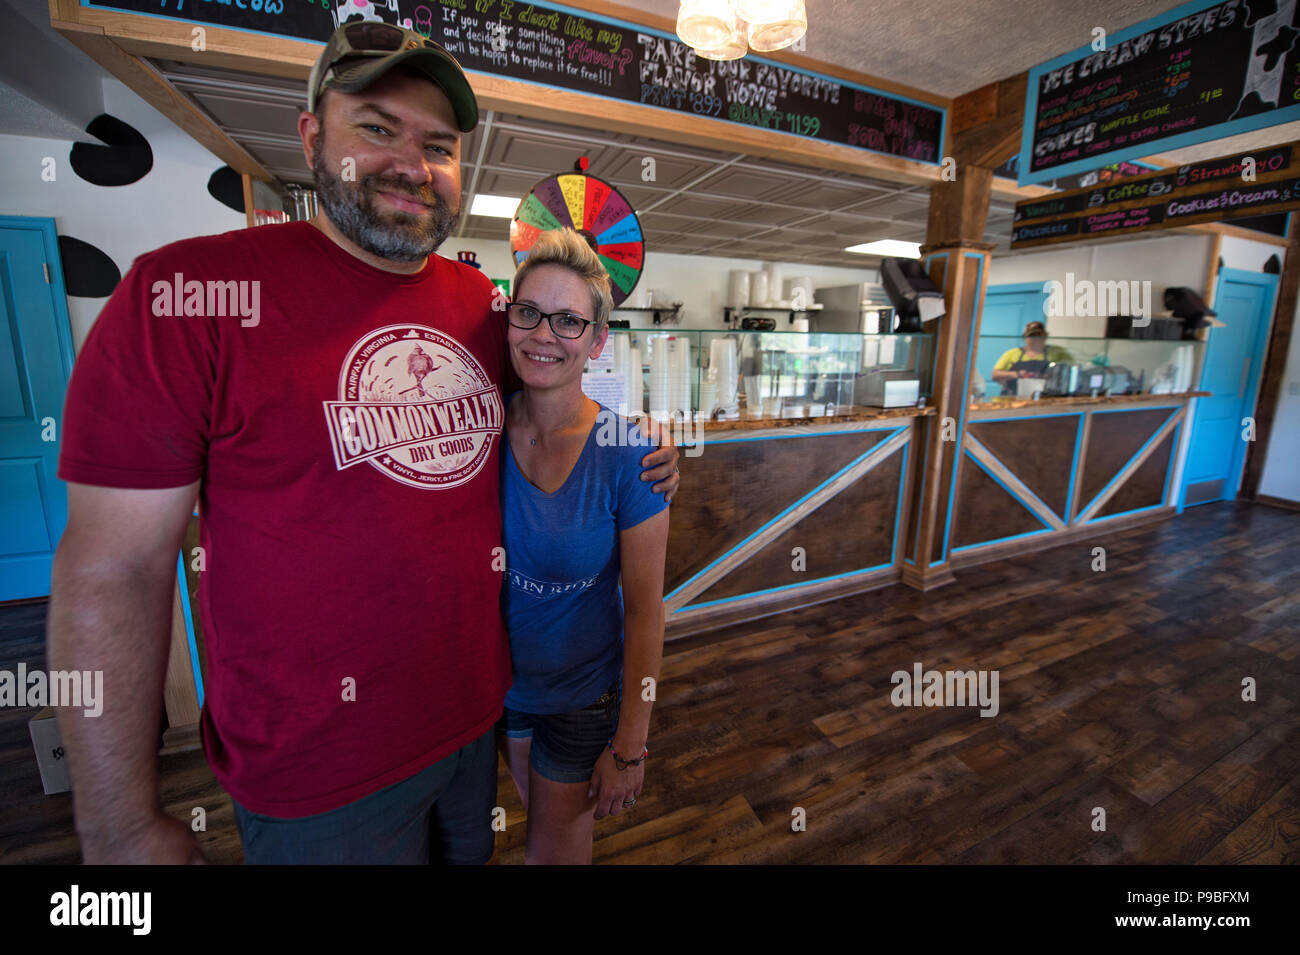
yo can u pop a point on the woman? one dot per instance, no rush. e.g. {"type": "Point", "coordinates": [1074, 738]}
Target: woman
{"type": "Point", "coordinates": [1029, 361]}
{"type": "Point", "coordinates": [575, 513]}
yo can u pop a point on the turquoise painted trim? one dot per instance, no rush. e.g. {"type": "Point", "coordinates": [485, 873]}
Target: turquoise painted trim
{"type": "Point", "coordinates": [639, 28]}
{"type": "Point", "coordinates": [775, 520]}
{"type": "Point", "coordinates": [1015, 288]}
{"type": "Point", "coordinates": [1135, 408]}
{"type": "Point", "coordinates": [1146, 147]}
{"type": "Point", "coordinates": [1140, 451]}
{"type": "Point", "coordinates": [1074, 470]}
{"type": "Point", "coordinates": [961, 417]}
{"type": "Point", "coordinates": [898, 510]}
{"type": "Point", "coordinates": [1000, 540]}
{"type": "Point", "coordinates": [1016, 497]}
{"type": "Point", "coordinates": [1137, 510]}
{"type": "Point", "coordinates": [1173, 460]}
{"type": "Point", "coordinates": [804, 434]}
{"type": "Point", "coordinates": [774, 590]}
{"type": "Point", "coordinates": [188, 613]}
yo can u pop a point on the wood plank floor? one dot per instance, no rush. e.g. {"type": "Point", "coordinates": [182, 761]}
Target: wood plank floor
{"type": "Point", "coordinates": [1118, 689]}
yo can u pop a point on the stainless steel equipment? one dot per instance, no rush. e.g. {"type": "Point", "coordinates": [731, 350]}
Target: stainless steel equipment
{"type": "Point", "coordinates": [889, 388]}
{"type": "Point", "coordinates": [862, 308]}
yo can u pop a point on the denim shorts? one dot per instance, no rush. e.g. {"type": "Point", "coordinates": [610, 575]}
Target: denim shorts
{"type": "Point", "coordinates": [566, 745]}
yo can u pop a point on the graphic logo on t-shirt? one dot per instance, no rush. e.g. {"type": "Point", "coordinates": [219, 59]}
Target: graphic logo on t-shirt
{"type": "Point", "coordinates": [547, 588]}
{"type": "Point", "coordinates": [415, 403]}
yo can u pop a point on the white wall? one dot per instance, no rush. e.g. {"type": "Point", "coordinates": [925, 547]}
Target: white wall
{"type": "Point", "coordinates": [1281, 477]}
{"type": "Point", "coordinates": [1163, 261]}
{"type": "Point", "coordinates": [699, 282]}
{"type": "Point", "coordinates": [171, 202]}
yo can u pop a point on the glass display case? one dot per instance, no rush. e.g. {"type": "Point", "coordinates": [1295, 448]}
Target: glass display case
{"type": "Point", "coordinates": [1085, 367]}
{"type": "Point", "coordinates": [726, 374]}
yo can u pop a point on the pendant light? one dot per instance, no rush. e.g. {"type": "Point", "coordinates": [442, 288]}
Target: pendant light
{"type": "Point", "coordinates": [773, 24]}
{"type": "Point", "coordinates": [706, 24]}
{"type": "Point", "coordinates": [733, 49]}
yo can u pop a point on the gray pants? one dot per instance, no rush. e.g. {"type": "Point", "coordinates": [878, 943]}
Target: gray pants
{"type": "Point", "coordinates": [442, 814]}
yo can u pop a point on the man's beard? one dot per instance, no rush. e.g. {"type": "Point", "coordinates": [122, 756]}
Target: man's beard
{"type": "Point", "coordinates": [397, 236]}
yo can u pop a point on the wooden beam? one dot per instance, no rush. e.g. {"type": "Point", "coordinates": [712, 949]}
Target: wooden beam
{"type": "Point", "coordinates": [250, 214]}
{"type": "Point", "coordinates": [1279, 347]}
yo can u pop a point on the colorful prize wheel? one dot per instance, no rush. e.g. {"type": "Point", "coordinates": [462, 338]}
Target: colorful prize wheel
{"type": "Point", "coordinates": [597, 212]}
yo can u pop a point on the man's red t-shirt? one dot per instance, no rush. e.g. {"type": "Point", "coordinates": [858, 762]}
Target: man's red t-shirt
{"type": "Point", "coordinates": [346, 425]}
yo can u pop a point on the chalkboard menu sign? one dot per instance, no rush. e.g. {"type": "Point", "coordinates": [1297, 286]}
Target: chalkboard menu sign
{"type": "Point", "coordinates": [561, 47]}
{"type": "Point", "coordinates": [1200, 72]}
{"type": "Point", "coordinates": [1263, 181]}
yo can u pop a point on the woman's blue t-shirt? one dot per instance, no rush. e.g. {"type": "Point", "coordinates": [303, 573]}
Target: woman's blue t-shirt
{"type": "Point", "coordinates": [562, 600]}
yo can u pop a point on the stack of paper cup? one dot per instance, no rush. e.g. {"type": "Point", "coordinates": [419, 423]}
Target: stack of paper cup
{"type": "Point", "coordinates": [635, 382]}
{"type": "Point", "coordinates": [619, 342]}
{"type": "Point", "coordinates": [681, 369]}
{"type": "Point", "coordinates": [660, 377]}
{"type": "Point", "coordinates": [722, 361]}
{"type": "Point", "coordinates": [708, 397]}
{"type": "Point", "coordinates": [773, 272]}
{"type": "Point", "coordinates": [737, 289]}
{"type": "Point", "coordinates": [758, 289]}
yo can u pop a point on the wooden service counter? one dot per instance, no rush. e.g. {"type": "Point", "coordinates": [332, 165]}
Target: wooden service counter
{"type": "Point", "coordinates": [1034, 474]}
{"type": "Point", "coordinates": [778, 513]}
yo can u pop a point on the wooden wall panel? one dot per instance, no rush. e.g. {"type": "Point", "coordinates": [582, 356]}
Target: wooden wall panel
{"type": "Point", "coordinates": [1113, 440]}
{"type": "Point", "coordinates": [1037, 450]}
{"type": "Point", "coordinates": [1145, 487]}
{"type": "Point", "coordinates": [733, 489]}
{"type": "Point", "coordinates": [852, 531]}
{"type": "Point", "coordinates": [987, 511]}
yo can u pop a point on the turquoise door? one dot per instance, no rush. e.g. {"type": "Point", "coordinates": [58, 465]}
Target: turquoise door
{"type": "Point", "coordinates": [35, 361]}
{"type": "Point", "coordinates": [1007, 310]}
{"type": "Point", "coordinates": [1234, 359]}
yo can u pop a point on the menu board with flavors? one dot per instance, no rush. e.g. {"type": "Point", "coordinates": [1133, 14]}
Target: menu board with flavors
{"type": "Point", "coordinates": [1261, 182]}
{"type": "Point", "coordinates": [562, 47]}
{"type": "Point", "coordinates": [1200, 72]}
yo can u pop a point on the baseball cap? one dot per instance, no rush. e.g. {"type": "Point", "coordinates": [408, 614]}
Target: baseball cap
{"type": "Point", "coordinates": [1034, 329]}
{"type": "Point", "coordinates": [361, 52]}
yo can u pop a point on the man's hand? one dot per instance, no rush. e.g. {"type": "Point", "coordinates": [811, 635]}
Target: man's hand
{"type": "Point", "coordinates": [159, 840]}
{"type": "Point", "coordinates": [660, 466]}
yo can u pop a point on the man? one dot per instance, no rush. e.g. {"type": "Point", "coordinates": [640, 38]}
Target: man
{"type": "Point", "coordinates": [343, 447]}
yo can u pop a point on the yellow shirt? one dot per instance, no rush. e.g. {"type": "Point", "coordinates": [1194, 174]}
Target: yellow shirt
{"type": "Point", "coordinates": [1013, 355]}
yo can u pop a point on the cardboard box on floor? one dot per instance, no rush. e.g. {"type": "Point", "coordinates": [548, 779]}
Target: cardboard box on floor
{"type": "Point", "coordinates": [49, 752]}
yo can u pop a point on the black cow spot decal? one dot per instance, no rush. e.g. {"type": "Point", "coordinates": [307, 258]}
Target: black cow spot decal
{"type": "Point", "coordinates": [87, 271]}
{"type": "Point", "coordinates": [227, 187]}
{"type": "Point", "coordinates": [126, 159]}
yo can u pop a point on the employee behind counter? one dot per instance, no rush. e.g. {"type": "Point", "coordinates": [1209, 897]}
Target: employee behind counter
{"type": "Point", "coordinates": [1030, 360]}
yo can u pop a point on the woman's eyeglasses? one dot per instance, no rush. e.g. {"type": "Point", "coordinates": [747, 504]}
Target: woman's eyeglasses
{"type": "Point", "coordinates": [563, 324]}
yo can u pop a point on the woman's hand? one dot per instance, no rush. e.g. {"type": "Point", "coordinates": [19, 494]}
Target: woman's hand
{"type": "Point", "coordinates": [612, 786]}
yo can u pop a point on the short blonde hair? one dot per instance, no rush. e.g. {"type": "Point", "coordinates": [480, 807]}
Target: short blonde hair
{"type": "Point", "coordinates": [566, 248]}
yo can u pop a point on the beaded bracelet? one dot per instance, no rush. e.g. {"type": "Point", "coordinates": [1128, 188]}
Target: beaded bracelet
{"type": "Point", "coordinates": [622, 763]}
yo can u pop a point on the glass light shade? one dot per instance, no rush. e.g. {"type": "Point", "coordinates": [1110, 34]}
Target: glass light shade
{"type": "Point", "coordinates": [782, 29]}
{"type": "Point", "coordinates": [705, 24]}
{"type": "Point", "coordinates": [733, 49]}
{"type": "Point", "coordinates": [764, 11]}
